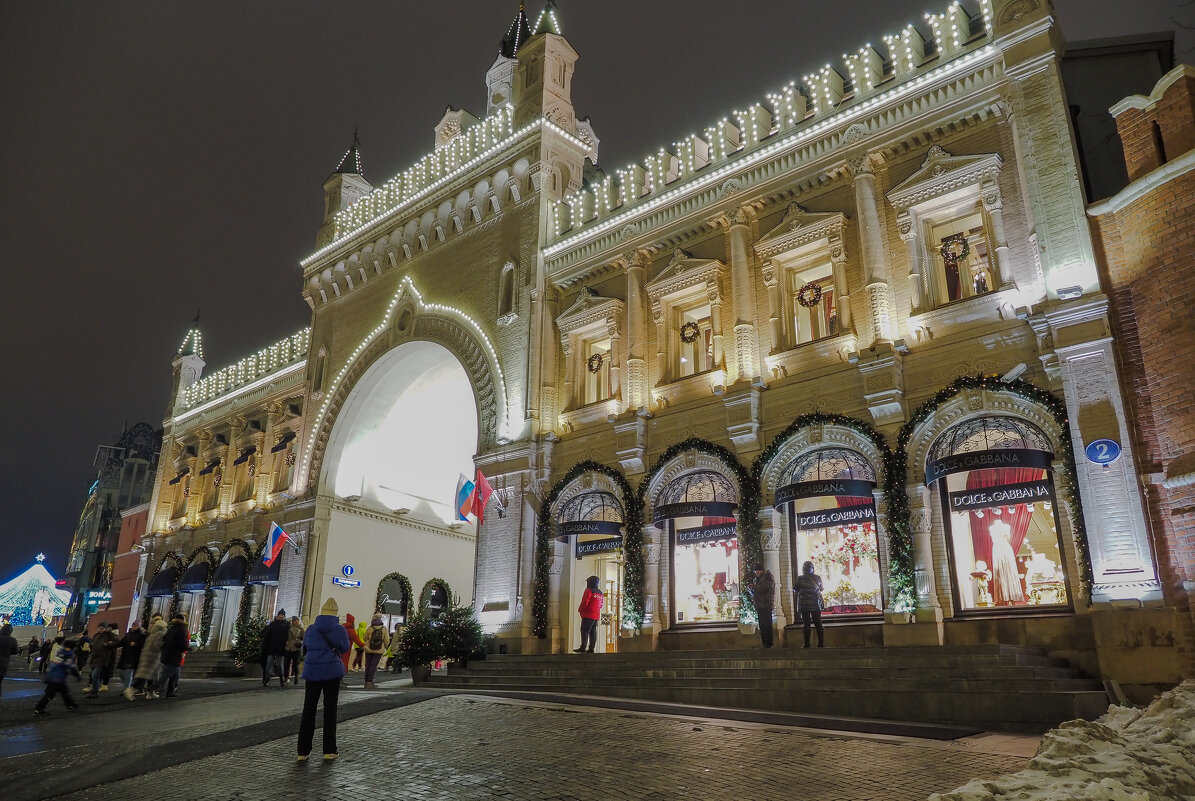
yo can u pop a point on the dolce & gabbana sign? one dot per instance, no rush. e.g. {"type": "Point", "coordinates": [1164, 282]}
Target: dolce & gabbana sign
{"type": "Point", "coordinates": [1007, 495]}
{"type": "Point", "coordinates": [845, 516]}
{"type": "Point", "coordinates": [598, 546]}
{"type": "Point", "coordinates": [821, 489]}
{"type": "Point", "coordinates": [693, 509]}
{"type": "Point", "coordinates": [986, 460]}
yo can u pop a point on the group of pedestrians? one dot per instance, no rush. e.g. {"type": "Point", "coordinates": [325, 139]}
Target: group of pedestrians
{"type": "Point", "coordinates": [148, 661]}
{"type": "Point", "coordinates": [281, 650]}
{"type": "Point", "coordinates": [808, 589]}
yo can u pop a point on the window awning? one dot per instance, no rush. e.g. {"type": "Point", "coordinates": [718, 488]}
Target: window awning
{"type": "Point", "coordinates": [265, 574]}
{"type": "Point", "coordinates": [179, 477]}
{"type": "Point", "coordinates": [162, 585]}
{"type": "Point", "coordinates": [245, 454]}
{"type": "Point", "coordinates": [282, 443]}
{"type": "Point", "coordinates": [232, 572]}
{"type": "Point", "coordinates": [210, 467]}
{"type": "Point", "coordinates": [194, 578]}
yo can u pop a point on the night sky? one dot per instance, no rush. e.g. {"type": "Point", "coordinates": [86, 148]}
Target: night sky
{"type": "Point", "coordinates": [160, 158]}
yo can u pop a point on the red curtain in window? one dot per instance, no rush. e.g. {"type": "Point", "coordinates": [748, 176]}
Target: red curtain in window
{"type": "Point", "coordinates": [1017, 521]}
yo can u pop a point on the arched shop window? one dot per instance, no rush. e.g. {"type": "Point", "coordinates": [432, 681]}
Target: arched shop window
{"type": "Point", "coordinates": [393, 600]}
{"type": "Point", "coordinates": [593, 521]}
{"type": "Point", "coordinates": [993, 474]}
{"type": "Point", "coordinates": [698, 510]}
{"type": "Point", "coordinates": [434, 599]}
{"type": "Point", "coordinates": [829, 498]}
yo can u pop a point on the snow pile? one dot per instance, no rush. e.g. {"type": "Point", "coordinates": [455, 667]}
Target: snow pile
{"type": "Point", "coordinates": [1126, 755]}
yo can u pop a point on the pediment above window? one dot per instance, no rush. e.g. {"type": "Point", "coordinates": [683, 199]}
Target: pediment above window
{"type": "Point", "coordinates": [590, 308]}
{"type": "Point", "coordinates": [682, 272]}
{"type": "Point", "coordinates": [798, 228]}
{"type": "Point", "coordinates": [942, 173]}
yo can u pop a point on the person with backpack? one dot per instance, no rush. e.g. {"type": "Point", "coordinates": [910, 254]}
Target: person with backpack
{"type": "Point", "coordinates": [294, 650]}
{"type": "Point", "coordinates": [376, 641]}
{"type": "Point", "coordinates": [62, 667]}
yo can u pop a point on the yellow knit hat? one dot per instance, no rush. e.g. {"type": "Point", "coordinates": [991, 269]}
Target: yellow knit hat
{"type": "Point", "coordinates": [330, 608]}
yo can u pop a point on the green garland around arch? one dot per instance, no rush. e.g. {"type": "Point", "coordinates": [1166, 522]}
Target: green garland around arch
{"type": "Point", "coordinates": [407, 592]}
{"type": "Point", "coordinates": [750, 547]}
{"type": "Point", "coordinates": [147, 612]}
{"type": "Point", "coordinates": [900, 576]}
{"type": "Point", "coordinates": [425, 593]}
{"type": "Point", "coordinates": [632, 548]}
{"type": "Point", "coordinates": [1067, 485]}
{"type": "Point", "coordinates": [209, 595]}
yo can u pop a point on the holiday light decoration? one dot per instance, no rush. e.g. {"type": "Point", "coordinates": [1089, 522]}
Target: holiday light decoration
{"type": "Point", "coordinates": [268, 364]}
{"type": "Point", "coordinates": [823, 91]}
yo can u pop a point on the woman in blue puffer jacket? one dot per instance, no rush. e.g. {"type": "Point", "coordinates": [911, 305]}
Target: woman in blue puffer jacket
{"type": "Point", "coordinates": [325, 642]}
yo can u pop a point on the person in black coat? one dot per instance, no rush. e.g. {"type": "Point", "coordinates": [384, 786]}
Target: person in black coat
{"type": "Point", "coordinates": [130, 654]}
{"type": "Point", "coordinates": [273, 649]}
{"type": "Point", "coordinates": [43, 656]}
{"type": "Point", "coordinates": [175, 644]}
{"type": "Point", "coordinates": [9, 647]}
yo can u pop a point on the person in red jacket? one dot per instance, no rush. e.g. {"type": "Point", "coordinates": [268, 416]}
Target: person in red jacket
{"type": "Point", "coordinates": [350, 628]}
{"type": "Point", "coordinates": [591, 611]}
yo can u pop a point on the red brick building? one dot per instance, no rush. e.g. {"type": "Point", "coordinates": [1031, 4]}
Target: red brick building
{"type": "Point", "coordinates": [1146, 245]}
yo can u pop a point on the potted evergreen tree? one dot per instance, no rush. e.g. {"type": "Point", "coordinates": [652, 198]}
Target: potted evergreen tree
{"type": "Point", "coordinates": [460, 634]}
{"type": "Point", "coordinates": [246, 652]}
{"type": "Point", "coordinates": [419, 647]}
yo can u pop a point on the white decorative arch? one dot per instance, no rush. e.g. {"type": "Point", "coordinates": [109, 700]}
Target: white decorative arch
{"type": "Point", "coordinates": [681, 464]}
{"type": "Point", "coordinates": [591, 481]}
{"type": "Point", "coordinates": [446, 325]}
{"type": "Point", "coordinates": [813, 436]}
{"type": "Point", "coordinates": [968, 405]}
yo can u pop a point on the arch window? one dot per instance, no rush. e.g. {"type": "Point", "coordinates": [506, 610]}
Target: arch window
{"type": "Point", "coordinates": [506, 291]}
{"type": "Point", "coordinates": [828, 495]}
{"type": "Point", "coordinates": [698, 510]}
{"type": "Point", "coordinates": [994, 479]}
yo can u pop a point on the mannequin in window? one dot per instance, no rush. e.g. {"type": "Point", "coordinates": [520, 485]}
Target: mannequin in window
{"type": "Point", "coordinates": [1006, 578]}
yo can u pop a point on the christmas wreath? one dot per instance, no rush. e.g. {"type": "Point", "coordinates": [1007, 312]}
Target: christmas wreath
{"type": "Point", "coordinates": [595, 363]}
{"type": "Point", "coordinates": [689, 332]}
{"type": "Point", "coordinates": [949, 254]}
{"type": "Point", "coordinates": [810, 295]}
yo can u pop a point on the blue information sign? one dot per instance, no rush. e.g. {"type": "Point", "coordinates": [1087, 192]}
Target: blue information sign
{"type": "Point", "coordinates": [348, 570]}
{"type": "Point", "coordinates": [1103, 451]}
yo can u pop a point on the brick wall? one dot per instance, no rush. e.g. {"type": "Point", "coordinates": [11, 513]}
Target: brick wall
{"type": "Point", "coordinates": [1148, 259]}
{"type": "Point", "coordinates": [1161, 131]}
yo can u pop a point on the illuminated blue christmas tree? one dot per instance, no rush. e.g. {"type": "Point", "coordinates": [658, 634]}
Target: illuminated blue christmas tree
{"type": "Point", "coordinates": [32, 597]}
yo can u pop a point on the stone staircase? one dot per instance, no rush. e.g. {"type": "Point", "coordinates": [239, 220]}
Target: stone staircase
{"type": "Point", "coordinates": [211, 665]}
{"type": "Point", "coordinates": [997, 687]}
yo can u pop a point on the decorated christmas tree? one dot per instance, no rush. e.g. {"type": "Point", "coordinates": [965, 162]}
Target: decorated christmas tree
{"type": "Point", "coordinates": [32, 598]}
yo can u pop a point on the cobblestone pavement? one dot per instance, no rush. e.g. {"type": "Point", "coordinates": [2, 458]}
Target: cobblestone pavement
{"type": "Point", "coordinates": [468, 747]}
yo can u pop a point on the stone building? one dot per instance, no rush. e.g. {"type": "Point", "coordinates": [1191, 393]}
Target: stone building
{"type": "Point", "coordinates": [858, 323]}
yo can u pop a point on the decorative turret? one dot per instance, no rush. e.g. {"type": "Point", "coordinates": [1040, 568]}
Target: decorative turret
{"type": "Point", "coordinates": [344, 187]}
{"type": "Point", "coordinates": [188, 364]}
{"type": "Point", "coordinates": [499, 80]}
{"type": "Point", "coordinates": [545, 74]}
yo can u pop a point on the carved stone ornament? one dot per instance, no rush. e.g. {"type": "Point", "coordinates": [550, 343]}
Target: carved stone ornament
{"type": "Point", "coordinates": [628, 231]}
{"type": "Point", "coordinates": [651, 554]}
{"type": "Point", "coordinates": [729, 187]}
{"type": "Point", "coordinates": [853, 134]}
{"type": "Point", "coordinates": [1017, 9]}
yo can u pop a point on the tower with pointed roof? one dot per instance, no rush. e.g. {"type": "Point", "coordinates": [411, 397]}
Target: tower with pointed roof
{"type": "Point", "coordinates": [344, 187]}
{"type": "Point", "coordinates": [188, 363]}
{"type": "Point", "coordinates": [544, 77]}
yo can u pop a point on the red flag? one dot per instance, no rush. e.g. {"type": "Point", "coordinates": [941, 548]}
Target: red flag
{"type": "Point", "coordinates": [481, 496]}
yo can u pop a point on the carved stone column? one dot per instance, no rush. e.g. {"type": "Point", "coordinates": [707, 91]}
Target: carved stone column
{"type": "Point", "coordinates": [909, 233]}
{"type": "Point", "coordinates": [543, 304]}
{"type": "Point", "coordinates": [555, 570]}
{"type": "Point", "coordinates": [657, 316]}
{"type": "Point", "coordinates": [615, 358]}
{"type": "Point", "coordinates": [652, 591]}
{"type": "Point", "coordinates": [740, 281]}
{"type": "Point", "coordinates": [929, 608]}
{"type": "Point", "coordinates": [768, 269]}
{"type": "Point", "coordinates": [842, 297]}
{"type": "Point", "coordinates": [872, 250]}
{"type": "Point", "coordinates": [570, 369]}
{"type": "Point", "coordinates": [769, 539]}
{"type": "Point", "coordinates": [994, 205]}
{"type": "Point", "coordinates": [265, 462]}
{"type": "Point", "coordinates": [635, 391]}
{"type": "Point", "coordinates": [716, 333]}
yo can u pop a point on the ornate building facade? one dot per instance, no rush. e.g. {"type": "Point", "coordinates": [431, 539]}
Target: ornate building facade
{"type": "Point", "coordinates": [858, 324]}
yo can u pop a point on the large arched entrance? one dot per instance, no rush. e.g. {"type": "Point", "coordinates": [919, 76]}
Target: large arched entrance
{"type": "Point", "coordinates": [405, 433]}
{"type": "Point", "coordinates": [589, 522]}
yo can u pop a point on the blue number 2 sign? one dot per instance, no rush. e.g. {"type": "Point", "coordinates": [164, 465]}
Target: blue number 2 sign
{"type": "Point", "coordinates": [1103, 451]}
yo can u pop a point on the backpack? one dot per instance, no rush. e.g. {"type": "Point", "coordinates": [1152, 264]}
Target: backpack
{"type": "Point", "coordinates": [375, 639]}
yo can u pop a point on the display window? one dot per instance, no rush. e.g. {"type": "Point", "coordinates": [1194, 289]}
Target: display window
{"type": "Point", "coordinates": [830, 501]}
{"type": "Point", "coordinates": [1001, 517]}
{"type": "Point", "coordinates": [697, 510]}
{"type": "Point", "coordinates": [592, 522]}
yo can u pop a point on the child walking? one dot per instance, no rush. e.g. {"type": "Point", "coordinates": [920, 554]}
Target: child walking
{"type": "Point", "coordinates": [62, 666]}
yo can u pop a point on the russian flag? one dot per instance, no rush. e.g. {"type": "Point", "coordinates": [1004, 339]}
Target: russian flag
{"type": "Point", "coordinates": [274, 542]}
{"type": "Point", "coordinates": [466, 491]}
